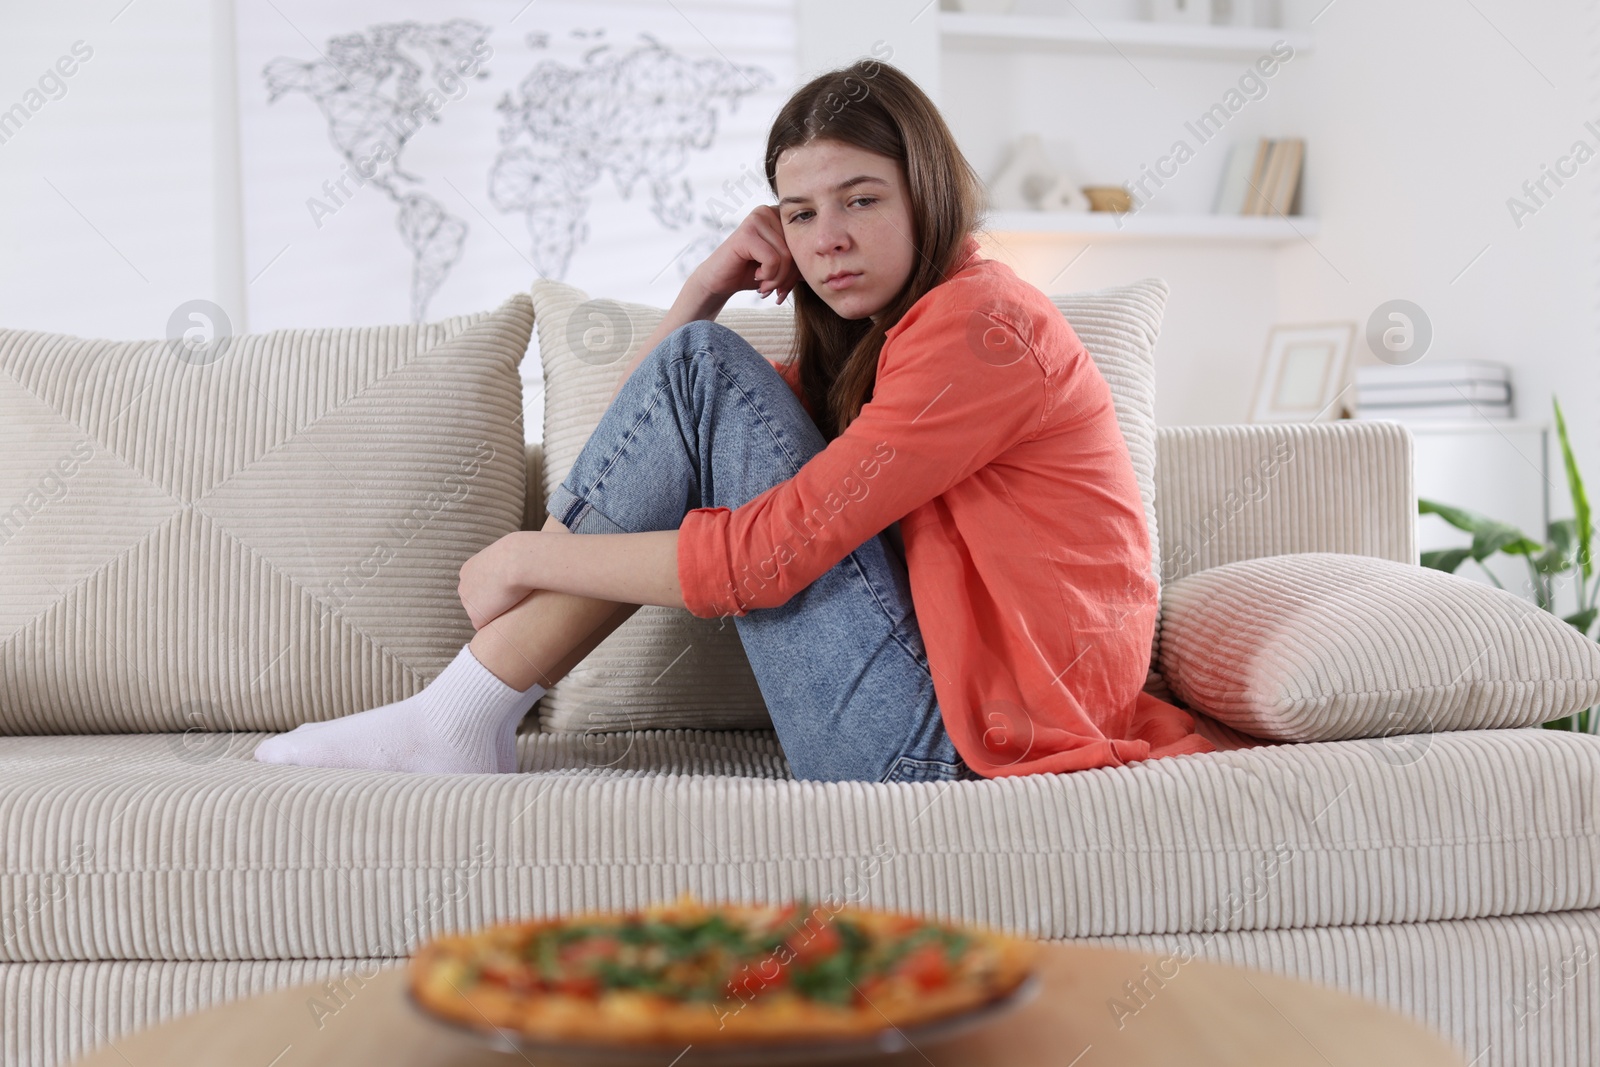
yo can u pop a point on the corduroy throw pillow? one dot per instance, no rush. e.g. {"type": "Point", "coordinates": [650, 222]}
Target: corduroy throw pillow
{"type": "Point", "coordinates": [269, 535]}
{"type": "Point", "coordinates": [1326, 646]}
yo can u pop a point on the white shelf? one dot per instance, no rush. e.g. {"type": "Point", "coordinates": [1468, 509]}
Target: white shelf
{"type": "Point", "coordinates": [1152, 226]}
{"type": "Point", "coordinates": [1149, 38]}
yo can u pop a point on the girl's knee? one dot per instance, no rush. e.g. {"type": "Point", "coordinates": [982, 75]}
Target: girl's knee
{"type": "Point", "coordinates": [704, 338]}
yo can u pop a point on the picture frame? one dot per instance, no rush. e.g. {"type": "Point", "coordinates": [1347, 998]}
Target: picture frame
{"type": "Point", "coordinates": [1303, 373]}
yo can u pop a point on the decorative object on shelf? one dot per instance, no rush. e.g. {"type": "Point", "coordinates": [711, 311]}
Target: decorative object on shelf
{"type": "Point", "coordinates": [1065, 195]}
{"type": "Point", "coordinates": [980, 7]}
{"type": "Point", "coordinates": [1565, 558]}
{"type": "Point", "coordinates": [1303, 373]}
{"type": "Point", "coordinates": [1246, 13]}
{"type": "Point", "coordinates": [1109, 198]}
{"type": "Point", "coordinates": [1432, 390]}
{"type": "Point", "coordinates": [1197, 12]}
{"type": "Point", "coordinates": [1029, 181]}
{"type": "Point", "coordinates": [1262, 178]}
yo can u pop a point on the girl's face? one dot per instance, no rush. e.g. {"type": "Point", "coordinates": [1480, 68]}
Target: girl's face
{"type": "Point", "coordinates": [845, 210]}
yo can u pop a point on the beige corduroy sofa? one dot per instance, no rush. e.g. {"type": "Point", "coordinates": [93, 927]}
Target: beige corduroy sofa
{"type": "Point", "coordinates": [1454, 876]}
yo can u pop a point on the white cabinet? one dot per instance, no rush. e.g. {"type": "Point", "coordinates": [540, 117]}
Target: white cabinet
{"type": "Point", "coordinates": [1499, 469]}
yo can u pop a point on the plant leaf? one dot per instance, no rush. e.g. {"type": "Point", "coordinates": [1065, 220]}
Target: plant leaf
{"type": "Point", "coordinates": [1580, 499]}
{"type": "Point", "coordinates": [1563, 534]}
{"type": "Point", "coordinates": [1552, 561]}
{"type": "Point", "coordinates": [1488, 535]}
{"type": "Point", "coordinates": [1446, 559]}
{"type": "Point", "coordinates": [1460, 518]}
{"type": "Point", "coordinates": [1502, 537]}
{"type": "Point", "coordinates": [1583, 619]}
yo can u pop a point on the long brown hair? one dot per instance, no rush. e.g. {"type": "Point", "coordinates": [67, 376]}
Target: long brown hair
{"type": "Point", "coordinates": [874, 106]}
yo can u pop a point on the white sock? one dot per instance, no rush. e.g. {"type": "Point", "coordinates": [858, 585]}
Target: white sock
{"type": "Point", "coordinates": [463, 722]}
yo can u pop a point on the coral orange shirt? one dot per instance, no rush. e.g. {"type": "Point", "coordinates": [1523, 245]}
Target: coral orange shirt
{"type": "Point", "coordinates": [992, 439]}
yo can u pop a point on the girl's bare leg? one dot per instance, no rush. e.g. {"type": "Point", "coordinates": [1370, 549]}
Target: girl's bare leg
{"type": "Point", "coordinates": [464, 720]}
{"type": "Point", "coordinates": [547, 634]}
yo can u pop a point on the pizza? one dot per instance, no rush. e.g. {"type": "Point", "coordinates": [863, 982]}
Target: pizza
{"type": "Point", "coordinates": [707, 974]}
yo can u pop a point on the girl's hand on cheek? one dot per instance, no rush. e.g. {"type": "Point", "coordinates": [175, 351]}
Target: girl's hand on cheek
{"type": "Point", "coordinates": [754, 256]}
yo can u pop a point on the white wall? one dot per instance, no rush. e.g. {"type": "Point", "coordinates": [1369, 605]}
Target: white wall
{"type": "Point", "coordinates": [109, 192]}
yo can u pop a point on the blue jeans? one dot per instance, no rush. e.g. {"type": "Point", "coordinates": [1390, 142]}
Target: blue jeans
{"type": "Point", "coordinates": [705, 421]}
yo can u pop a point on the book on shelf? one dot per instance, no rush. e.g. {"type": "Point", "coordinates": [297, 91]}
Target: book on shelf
{"type": "Point", "coordinates": [1441, 389]}
{"type": "Point", "coordinates": [1286, 198]}
{"type": "Point", "coordinates": [1262, 178]}
{"type": "Point", "coordinates": [1261, 182]}
{"type": "Point", "coordinates": [1432, 372]}
{"type": "Point", "coordinates": [1477, 392]}
{"type": "Point", "coordinates": [1460, 412]}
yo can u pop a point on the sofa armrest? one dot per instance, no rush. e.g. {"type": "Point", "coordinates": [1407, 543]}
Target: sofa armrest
{"type": "Point", "coordinates": [533, 502]}
{"type": "Point", "coordinates": [1226, 493]}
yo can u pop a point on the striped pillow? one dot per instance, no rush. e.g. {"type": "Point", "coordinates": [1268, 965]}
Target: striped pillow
{"type": "Point", "coordinates": [252, 541]}
{"type": "Point", "coordinates": [664, 668]}
{"type": "Point", "coordinates": [1324, 646]}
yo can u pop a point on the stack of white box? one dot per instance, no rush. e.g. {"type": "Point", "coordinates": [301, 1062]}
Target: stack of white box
{"type": "Point", "coordinates": [1430, 391]}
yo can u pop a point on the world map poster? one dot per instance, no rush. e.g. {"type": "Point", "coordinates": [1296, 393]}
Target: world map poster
{"type": "Point", "coordinates": [405, 162]}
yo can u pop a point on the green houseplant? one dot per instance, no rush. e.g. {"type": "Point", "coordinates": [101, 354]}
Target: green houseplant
{"type": "Point", "coordinates": [1565, 555]}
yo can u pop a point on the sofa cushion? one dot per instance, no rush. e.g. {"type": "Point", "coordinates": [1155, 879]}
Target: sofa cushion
{"type": "Point", "coordinates": [164, 847]}
{"type": "Point", "coordinates": [253, 536]}
{"type": "Point", "coordinates": [664, 668]}
{"type": "Point", "coordinates": [1319, 646]}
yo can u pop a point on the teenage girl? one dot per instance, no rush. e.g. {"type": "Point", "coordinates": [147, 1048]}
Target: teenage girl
{"type": "Point", "coordinates": [925, 527]}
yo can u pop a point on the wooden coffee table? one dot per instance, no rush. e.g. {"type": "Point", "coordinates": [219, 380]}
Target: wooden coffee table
{"type": "Point", "coordinates": [1196, 1013]}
